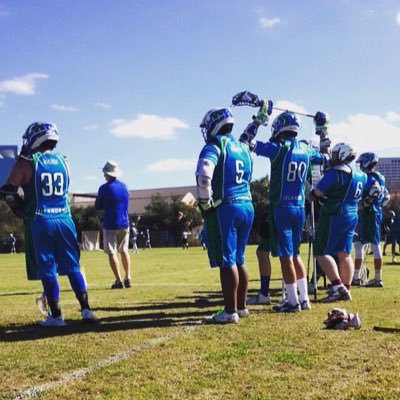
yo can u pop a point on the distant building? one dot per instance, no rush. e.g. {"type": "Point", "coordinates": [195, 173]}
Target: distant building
{"type": "Point", "coordinates": [139, 199]}
{"type": "Point", "coordinates": [390, 168]}
{"type": "Point", "coordinates": [8, 154]}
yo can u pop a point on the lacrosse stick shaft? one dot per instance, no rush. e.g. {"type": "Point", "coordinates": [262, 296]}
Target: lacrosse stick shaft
{"type": "Point", "coordinates": [294, 112]}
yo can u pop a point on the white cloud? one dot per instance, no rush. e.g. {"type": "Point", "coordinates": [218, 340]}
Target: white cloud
{"type": "Point", "coordinates": [91, 127]}
{"type": "Point", "coordinates": [148, 126]}
{"type": "Point", "coordinates": [392, 116]}
{"type": "Point", "coordinates": [102, 105]}
{"type": "Point", "coordinates": [398, 18]}
{"type": "Point", "coordinates": [22, 85]}
{"type": "Point", "coordinates": [60, 107]}
{"type": "Point", "coordinates": [173, 164]}
{"type": "Point", "coordinates": [269, 23]}
{"type": "Point", "coordinates": [366, 133]}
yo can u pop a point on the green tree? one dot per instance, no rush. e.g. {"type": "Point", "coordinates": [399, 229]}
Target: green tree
{"type": "Point", "coordinates": [172, 215]}
{"type": "Point", "coordinates": [10, 223]}
{"type": "Point", "coordinates": [86, 219]}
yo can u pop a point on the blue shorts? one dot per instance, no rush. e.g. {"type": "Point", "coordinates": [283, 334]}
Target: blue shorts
{"type": "Point", "coordinates": [227, 231]}
{"type": "Point", "coordinates": [55, 246]}
{"type": "Point", "coordinates": [334, 234]}
{"type": "Point", "coordinates": [370, 227]}
{"type": "Point", "coordinates": [287, 227]}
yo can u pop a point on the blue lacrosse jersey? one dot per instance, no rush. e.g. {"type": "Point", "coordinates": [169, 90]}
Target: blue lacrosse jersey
{"type": "Point", "coordinates": [343, 190]}
{"type": "Point", "coordinates": [233, 168]}
{"type": "Point", "coordinates": [373, 177]}
{"type": "Point", "coordinates": [113, 198]}
{"type": "Point", "coordinates": [290, 162]}
{"type": "Point", "coordinates": [47, 193]}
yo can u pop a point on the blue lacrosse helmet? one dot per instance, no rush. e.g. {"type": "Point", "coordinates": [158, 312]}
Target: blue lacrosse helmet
{"type": "Point", "coordinates": [286, 121]}
{"type": "Point", "coordinates": [39, 132]}
{"type": "Point", "coordinates": [214, 120]}
{"type": "Point", "coordinates": [367, 161]}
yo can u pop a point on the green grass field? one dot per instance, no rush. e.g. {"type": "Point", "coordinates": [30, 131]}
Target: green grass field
{"type": "Point", "coordinates": [151, 343]}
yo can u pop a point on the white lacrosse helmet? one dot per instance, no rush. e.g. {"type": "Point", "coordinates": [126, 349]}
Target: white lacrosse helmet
{"type": "Point", "coordinates": [343, 153]}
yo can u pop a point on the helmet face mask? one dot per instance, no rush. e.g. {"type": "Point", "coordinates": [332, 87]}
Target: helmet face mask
{"type": "Point", "coordinates": [39, 132]}
{"type": "Point", "coordinates": [214, 120]}
{"type": "Point", "coordinates": [285, 122]}
{"type": "Point", "coordinates": [342, 154]}
{"type": "Point", "coordinates": [367, 161]}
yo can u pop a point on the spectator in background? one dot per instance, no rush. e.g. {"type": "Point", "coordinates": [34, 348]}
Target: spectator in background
{"type": "Point", "coordinates": [11, 242]}
{"type": "Point", "coordinates": [147, 240]}
{"type": "Point", "coordinates": [133, 235]}
{"type": "Point", "coordinates": [184, 241]}
{"type": "Point", "coordinates": [113, 198]}
{"type": "Point", "coordinates": [395, 236]}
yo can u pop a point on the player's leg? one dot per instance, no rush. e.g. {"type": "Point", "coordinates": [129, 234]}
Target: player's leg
{"type": "Point", "coordinates": [282, 246]}
{"type": "Point", "coordinates": [244, 220]}
{"type": "Point", "coordinates": [110, 248]}
{"type": "Point", "coordinates": [328, 241]}
{"type": "Point", "coordinates": [301, 275]}
{"type": "Point", "coordinates": [376, 220]}
{"type": "Point", "coordinates": [229, 276]}
{"type": "Point", "coordinates": [122, 245]}
{"type": "Point", "coordinates": [264, 264]}
{"type": "Point", "coordinates": [44, 247]}
{"type": "Point", "coordinates": [67, 258]}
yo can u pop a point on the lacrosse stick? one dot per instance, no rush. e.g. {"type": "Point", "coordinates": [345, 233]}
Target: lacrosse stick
{"type": "Point", "coordinates": [41, 302]}
{"type": "Point", "coordinates": [247, 98]}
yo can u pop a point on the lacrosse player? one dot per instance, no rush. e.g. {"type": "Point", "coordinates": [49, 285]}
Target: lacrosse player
{"type": "Point", "coordinates": [290, 162]}
{"type": "Point", "coordinates": [339, 192]}
{"type": "Point", "coordinates": [223, 176]}
{"type": "Point", "coordinates": [374, 196]}
{"type": "Point", "coordinates": [44, 177]}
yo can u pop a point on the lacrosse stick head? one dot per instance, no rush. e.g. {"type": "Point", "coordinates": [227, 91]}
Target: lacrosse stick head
{"type": "Point", "coordinates": [214, 120]}
{"type": "Point", "coordinates": [246, 98]}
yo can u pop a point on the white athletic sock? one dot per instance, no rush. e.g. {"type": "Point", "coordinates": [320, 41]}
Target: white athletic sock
{"type": "Point", "coordinates": [356, 274]}
{"type": "Point", "coordinates": [291, 290]}
{"type": "Point", "coordinates": [378, 275]}
{"type": "Point", "coordinates": [303, 289]}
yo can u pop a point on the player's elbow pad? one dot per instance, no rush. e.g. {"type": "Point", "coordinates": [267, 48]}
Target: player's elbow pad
{"type": "Point", "coordinates": [204, 174]}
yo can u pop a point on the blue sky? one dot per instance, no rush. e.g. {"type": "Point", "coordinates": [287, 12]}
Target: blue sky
{"type": "Point", "coordinates": [130, 80]}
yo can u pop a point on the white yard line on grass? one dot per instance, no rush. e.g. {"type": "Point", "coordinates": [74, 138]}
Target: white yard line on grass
{"type": "Point", "coordinates": [79, 373]}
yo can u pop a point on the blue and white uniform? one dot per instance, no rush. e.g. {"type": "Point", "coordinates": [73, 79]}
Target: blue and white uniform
{"type": "Point", "coordinates": [290, 162]}
{"type": "Point", "coordinates": [48, 217]}
{"type": "Point", "coordinates": [338, 218]}
{"type": "Point", "coordinates": [371, 214]}
{"type": "Point", "coordinates": [228, 224]}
